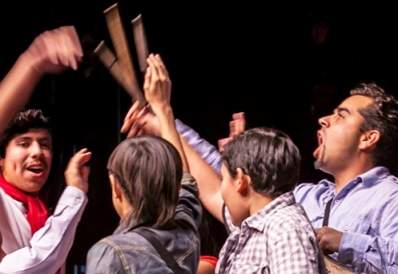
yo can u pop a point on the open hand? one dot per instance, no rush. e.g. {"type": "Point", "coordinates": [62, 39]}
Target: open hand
{"type": "Point", "coordinates": [76, 173]}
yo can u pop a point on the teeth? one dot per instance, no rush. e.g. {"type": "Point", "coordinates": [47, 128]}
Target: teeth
{"type": "Point", "coordinates": [35, 169]}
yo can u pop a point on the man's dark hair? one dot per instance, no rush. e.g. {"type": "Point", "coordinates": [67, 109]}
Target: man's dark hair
{"type": "Point", "coordinates": [149, 171]}
{"type": "Point", "coordinates": [382, 115]}
{"type": "Point", "coordinates": [268, 156]}
{"type": "Point", "coordinates": [22, 123]}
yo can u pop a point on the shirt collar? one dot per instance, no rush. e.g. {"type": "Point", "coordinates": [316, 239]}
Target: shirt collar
{"type": "Point", "coordinates": [371, 177]}
{"type": "Point", "coordinates": [257, 222]}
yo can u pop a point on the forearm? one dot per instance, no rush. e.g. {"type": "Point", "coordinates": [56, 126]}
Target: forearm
{"type": "Point", "coordinates": [16, 88]}
{"type": "Point", "coordinates": [208, 181]}
{"type": "Point", "coordinates": [168, 130]}
{"type": "Point", "coordinates": [50, 245]}
{"type": "Point", "coordinates": [207, 151]}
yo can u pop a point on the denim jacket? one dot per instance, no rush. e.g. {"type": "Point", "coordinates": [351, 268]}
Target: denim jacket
{"type": "Point", "coordinates": [128, 252]}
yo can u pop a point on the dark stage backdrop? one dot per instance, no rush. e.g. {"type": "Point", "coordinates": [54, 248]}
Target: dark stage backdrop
{"type": "Point", "coordinates": [285, 66]}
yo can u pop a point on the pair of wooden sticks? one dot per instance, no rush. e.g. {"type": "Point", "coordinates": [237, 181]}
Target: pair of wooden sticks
{"type": "Point", "coordinates": [121, 66]}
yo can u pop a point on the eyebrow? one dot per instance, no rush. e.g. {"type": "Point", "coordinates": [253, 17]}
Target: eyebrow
{"type": "Point", "coordinates": [343, 109]}
{"type": "Point", "coordinates": [25, 138]}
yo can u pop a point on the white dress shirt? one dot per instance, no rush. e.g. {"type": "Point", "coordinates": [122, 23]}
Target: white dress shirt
{"type": "Point", "coordinates": [46, 251]}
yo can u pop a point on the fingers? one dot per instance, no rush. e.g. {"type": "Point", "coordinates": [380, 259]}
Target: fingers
{"type": "Point", "coordinates": [130, 117]}
{"type": "Point", "coordinates": [238, 124]}
{"type": "Point", "coordinates": [157, 85]}
{"type": "Point", "coordinates": [222, 142]}
{"type": "Point", "coordinates": [80, 158]}
{"type": "Point", "coordinates": [134, 120]}
{"type": "Point", "coordinates": [76, 173]}
{"type": "Point", "coordinates": [74, 45]}
{"type": "Point", "coordinates": [55, 50]}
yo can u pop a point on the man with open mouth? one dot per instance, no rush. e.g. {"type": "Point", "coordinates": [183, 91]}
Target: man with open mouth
{"type": "Point", "coordinates": [356, 215]}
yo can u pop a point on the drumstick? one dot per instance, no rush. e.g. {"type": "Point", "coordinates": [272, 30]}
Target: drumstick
{"type": "Point", "coordinates": [119, 40]}
{"type": "Point", "coordinates": [140, 40]}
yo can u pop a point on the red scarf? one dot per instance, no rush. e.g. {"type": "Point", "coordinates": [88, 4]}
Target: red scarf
{"type": "Point", "coordinates": [36, 210]}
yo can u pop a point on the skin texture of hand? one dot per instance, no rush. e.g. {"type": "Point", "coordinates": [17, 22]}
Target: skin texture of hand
{"type": "Point", "coordinates": [329, 239]}
{"type": "Point", "coordinates": [236, 126]}
{"type": "Point", "coordinates": [157, 88]}
{"type": "Point", "coordinates": [140, 120]}
{"type": "Point", "coordinates": [157, 84]}
{"type": "Point", "coordinates": [55, 50]}
{"type": "Point", "coordinates": [76, 173]}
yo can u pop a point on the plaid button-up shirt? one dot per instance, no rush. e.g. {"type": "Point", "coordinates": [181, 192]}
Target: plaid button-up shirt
{"type": "Point", "coordinates": [278, 239]}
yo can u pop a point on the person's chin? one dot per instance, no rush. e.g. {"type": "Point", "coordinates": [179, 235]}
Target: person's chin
{"type": "Point", "coordinates": [35, 185]}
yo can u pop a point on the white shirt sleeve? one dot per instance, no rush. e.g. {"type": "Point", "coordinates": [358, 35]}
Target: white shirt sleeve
{"type": "Point", "coordinates": [50, 245]}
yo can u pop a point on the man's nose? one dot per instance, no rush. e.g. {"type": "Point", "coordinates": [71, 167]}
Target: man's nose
{"type": "Point", "coordinates": [324, 121]}
{"type": "Point", "coordinates": [36, 149]}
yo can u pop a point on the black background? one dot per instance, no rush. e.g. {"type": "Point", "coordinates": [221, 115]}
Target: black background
{"type": "Point", "coordinates": [263, 59]}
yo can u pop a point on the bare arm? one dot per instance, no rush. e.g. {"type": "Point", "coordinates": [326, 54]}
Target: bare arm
{"type": "Point", "coordinates": [157, 87]}
{"type": "Point", "coordinates": [51, 52]}
{"type": "Point", "coordinates": [208, 182]}
{"type": "Point", "coordinates": [138, 121]}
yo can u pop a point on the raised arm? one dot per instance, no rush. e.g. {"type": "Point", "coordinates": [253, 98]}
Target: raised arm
{"type": "Point", "coordinates": [51, 52]}
{"type": "Point", "coordinates": [157, 88]}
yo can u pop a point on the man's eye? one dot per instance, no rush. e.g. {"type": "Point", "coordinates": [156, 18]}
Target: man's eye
{"type": "Point", "coordinates": [23, 144]}
{"type": "Point", "coordinates": [340, 114]}
{"type": "Point", "coordinates": [45, 145]}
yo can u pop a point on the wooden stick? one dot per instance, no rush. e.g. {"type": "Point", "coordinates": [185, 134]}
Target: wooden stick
{"type": "Point", "coordinates": [119, 40]}
{"type": "Point", "coordinates": [140, 40]}
{"type": "Point", "coordinates": [109, 60]}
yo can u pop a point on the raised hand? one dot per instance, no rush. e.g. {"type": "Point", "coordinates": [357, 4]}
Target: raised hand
{"type": "Point", "coordinates": [236, 126]}
{"type": "Point", "coordinates": [76, 173]}
{"type": "Point", "coordinates": [140, 121]}
{"type": "Point", "coordinates": [55, 50]}
{"type": "Point", "coordinates": [157, 85]}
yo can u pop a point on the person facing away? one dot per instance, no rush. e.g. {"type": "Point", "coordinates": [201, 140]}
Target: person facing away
{"type": "Point", "coordinates": [269, 232]}
{"type": "Point", "coordinates": [357, 146]}
{"type": "Point", "coordinates": [33, 241]}
{"type": "Point", "coordinates": [151, 189]}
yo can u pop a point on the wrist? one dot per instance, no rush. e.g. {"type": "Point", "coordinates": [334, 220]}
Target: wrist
{"type": "Point", "coordinates": [162, 109]}
{"type": "Point", "coordinates": [32, 63]}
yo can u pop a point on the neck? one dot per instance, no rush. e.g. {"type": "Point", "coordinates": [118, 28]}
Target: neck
{"type": "Point", "coordinates": [343, 177]}
{"type": "Point", "coordinates": [258, 202]}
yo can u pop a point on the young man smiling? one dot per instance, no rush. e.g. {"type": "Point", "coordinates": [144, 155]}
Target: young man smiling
{"type": "Point", "coordinates": [32, 241]}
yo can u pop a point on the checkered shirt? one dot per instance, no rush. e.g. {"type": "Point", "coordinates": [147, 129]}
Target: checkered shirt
{"type": "Point", "coordinates": [278, 239]}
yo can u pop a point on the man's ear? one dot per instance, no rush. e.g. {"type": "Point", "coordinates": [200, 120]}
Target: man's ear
{"type": "Point", "coordinates": [243, 182]}
{"type": "Point", "coordinates": [116, 188]}
{"type": "Point", "coordinates": [369, 139]}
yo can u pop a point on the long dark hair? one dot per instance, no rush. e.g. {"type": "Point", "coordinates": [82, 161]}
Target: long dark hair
{"type": "Point", "coordinates": [149, 170]}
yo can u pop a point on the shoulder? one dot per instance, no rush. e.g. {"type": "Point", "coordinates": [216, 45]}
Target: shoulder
{"type": "Point", "coordinates": [114, 253]}
{"type": "Point", "coordinates": [304, 190]}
